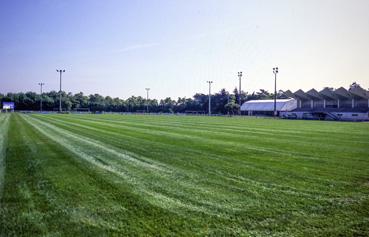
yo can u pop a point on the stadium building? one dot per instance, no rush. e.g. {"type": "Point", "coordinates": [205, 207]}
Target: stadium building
{"type": "Point", "coordinates": [327, 104]}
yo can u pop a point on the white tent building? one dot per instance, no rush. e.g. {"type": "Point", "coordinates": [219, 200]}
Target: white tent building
{"type": "Point", "coordinates": [266, 107]}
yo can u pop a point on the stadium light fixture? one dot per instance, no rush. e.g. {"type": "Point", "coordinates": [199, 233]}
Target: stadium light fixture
{"type": "Point", "coordinates": [41, 84]}
{"type": "Point", "coordinates": [275, 72]}
{"type": "Point", "coordinates": [60, 90]}
{"type": "Point", "coordinates": [147, 99]}
{"type": "Point", "coordinates": [209, 82]}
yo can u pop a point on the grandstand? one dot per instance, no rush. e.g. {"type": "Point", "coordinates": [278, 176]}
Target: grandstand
{"type": "Point", "coordinates": [327, 104]}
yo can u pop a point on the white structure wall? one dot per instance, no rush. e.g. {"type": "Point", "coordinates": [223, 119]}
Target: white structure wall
{"type": "Point", "coordinates": [343, 116]}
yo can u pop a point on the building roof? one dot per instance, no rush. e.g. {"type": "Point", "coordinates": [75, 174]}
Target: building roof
{"type": "Point", "coordinates": [328, 93]}
{"type": "Point", "coordinates": [301, 95]}
{"type": "Point", "coordinates": [268, 105]}
{"type": "Point", "coordinates": [357, 91]}
{"type": "Point", "coordinates": [342, 92]}
{"type": "Point", "coordinates": [314, 94]}
{"type": "Point", "coordinates": [289, 94]}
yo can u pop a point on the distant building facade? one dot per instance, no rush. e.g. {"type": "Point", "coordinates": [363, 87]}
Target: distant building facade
{"type": "Point", "coordinates": [8, 106]}
{"type": "Point", "coordinates": [327, 104]}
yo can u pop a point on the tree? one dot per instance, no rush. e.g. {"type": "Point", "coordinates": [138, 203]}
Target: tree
{"type": "Point", "coordinates": [222, 102]}
{"type": "Point", "coordinates": [80, 101]}
{"type": "Point", "coordinates": [236, 95]}
{"type": "Point", "coordinates": [96, 102]}
{"type": "Point", "coordinates": [219, 100]}
{"type": "Point", "coordinates": [167, 105]}
{"type": "Point", "coordinates": [232, 107]}
{"type": "Point", "coordinates": [264, 94]}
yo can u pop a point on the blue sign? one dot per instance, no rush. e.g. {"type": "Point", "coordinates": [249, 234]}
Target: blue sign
{"type": "Point", "coordinates": [8, 105]}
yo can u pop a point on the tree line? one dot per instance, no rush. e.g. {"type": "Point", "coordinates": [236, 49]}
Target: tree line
{"type": "Point", "coordinates": [222, 102]}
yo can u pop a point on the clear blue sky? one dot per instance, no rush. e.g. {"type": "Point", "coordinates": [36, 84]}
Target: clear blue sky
{"type": "Point", "coordinates": [118, 48]}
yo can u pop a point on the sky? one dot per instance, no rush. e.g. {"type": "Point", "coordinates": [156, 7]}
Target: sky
{"type": "Point", "coordinates": [119, 48]}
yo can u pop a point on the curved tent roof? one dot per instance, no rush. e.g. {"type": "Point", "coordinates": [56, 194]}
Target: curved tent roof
{"type": "Point", "coordinates": [268, 105]}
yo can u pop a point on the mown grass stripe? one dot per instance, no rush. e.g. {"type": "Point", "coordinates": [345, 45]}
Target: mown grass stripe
{"type": "Point", "coordinates": [130, 177]}
{"type": "Point", "coordinates": [223, 159]}
{"type": "Point", "coordinates": [217, 203]}
{"type": "Point", "coordinates": [309, 167]}
{"type": "Point", "coordinates": [105, 130]}
{"type": "Point", "coordinates": [230, 130]}
{"type": "Point", "coordinates": [252, 125]}
{"type": "Point", "coordinates": [281, 188]}
{"type": "Point", "coordinates": [242, 139]}
{"type": "Point", "coordinates": [157, 198]}
{"type": "Point", "coordinates": [4, 122]}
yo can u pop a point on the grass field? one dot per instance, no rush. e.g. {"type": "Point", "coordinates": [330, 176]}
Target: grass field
{"type": "Point", "coordinates": [96, 175]}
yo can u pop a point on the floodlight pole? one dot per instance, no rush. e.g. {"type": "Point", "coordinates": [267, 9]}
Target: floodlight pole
{"type": "Point", "coordinates": [210, 82]}
{"type": "Point", "coordinates": [275, 71]}
{"type": "Point", "coordinates": [147, 99]}
{"type": "Point", "coordinates": [41, 84]}
{"type": "Point", "coordinates": [60, 90]}
{"type": "Point", "coordinates": [239, 88]}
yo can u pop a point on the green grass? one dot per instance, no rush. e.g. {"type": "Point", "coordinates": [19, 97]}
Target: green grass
{"type": "Point", "coordinates": [114, 175]}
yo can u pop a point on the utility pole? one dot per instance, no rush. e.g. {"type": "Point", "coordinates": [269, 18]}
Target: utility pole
{"type": "Point", "coordinates": [147, 99]}
{"type": "Point", "coordinates": [41, 84]}
{"type": "Point", "coordinates": [60, 90]}
{"type": "Point", "coordinates": [275, 71]}
{"type": "Point", "coordinates": [210, 82]}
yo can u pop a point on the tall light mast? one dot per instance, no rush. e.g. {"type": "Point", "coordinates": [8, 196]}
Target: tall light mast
{"type": "Point", "coordinates": [239, 88]}
{"type": "Point", "coordinates": [147, 99]}
{"type": "Point", "coordinates": [60, 89]}
{"type": "Point", "coordinates": [275, 71]}
{"type": "Point", "coordinates": [210, 82]}
{"type": "Point", "coordinates": [41, 84]}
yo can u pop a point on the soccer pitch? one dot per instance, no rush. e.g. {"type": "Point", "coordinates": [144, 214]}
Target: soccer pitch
{"type": "Point", "coordinates": [136, 175]}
